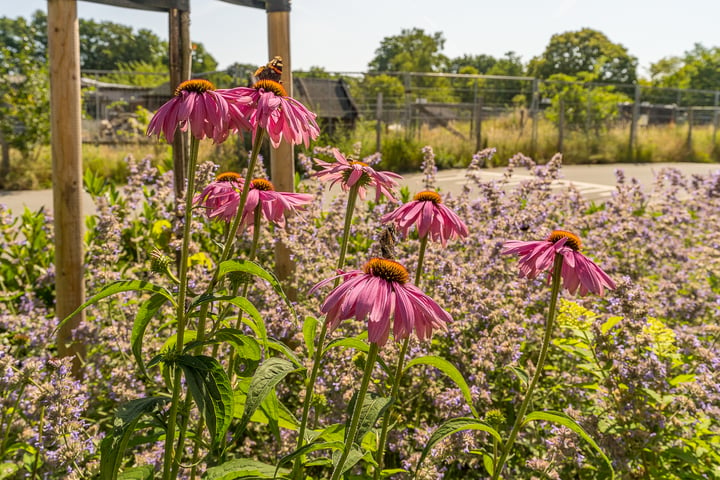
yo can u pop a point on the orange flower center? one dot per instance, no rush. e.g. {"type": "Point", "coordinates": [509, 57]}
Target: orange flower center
{"type": "Point", "coordinates": [356, 162]}
{"type": "Point", "coordinates": [228, 177]}
{"type": "Point", "coordinates": [428, 196]}
{"type": "Point", "coordinates": [389, 270]}
{"type": "Point", "coordinates": [197, 85]}
{"type": "Point", "coordinates": [262, 184]}
{"type": "Point", "coordinates": [271, 86]}
{"type": "Point", "coordinates": [573, 241]}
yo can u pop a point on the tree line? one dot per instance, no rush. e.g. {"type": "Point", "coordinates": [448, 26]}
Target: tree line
{"type": "Point", "coordinates": [585, 56]}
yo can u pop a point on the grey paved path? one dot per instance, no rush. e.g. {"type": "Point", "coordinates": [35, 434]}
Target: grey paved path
{"type": "Point", "coordinates": [595, 182]}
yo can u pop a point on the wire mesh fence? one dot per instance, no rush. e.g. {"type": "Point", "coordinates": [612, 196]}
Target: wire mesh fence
{"type": "Point", "coordinates": [586, 121]}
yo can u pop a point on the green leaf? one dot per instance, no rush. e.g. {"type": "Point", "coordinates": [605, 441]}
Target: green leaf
{"type": "Point", "coordinates": [609, 323]}
{"type": "Point", "coordinates": [112, 447]}
{"type": "Point", "coordinates": [373, 407]}
{"type": "Point", "coordinates": [145, 472]}
{"type": "Point", "coordinates": [562, 419]}
{"type": "Point", "coordinates": [309, 448]}
{"type": "Point", "coordinates": [257, 270]}
{"type": "Point", "coordinates": [268, 374]}
{"type": "Point", "coordinates": [309, 332]}
{"type": "Point", "coordinates": [448, 369]}
{"type": "Point", "coordinates": [210, 388]}
{"type": "Point", "coordinates": [488, 463]}
{"type": "Point", "coordinates": [452, 426]}
{"type": "Point", "coordinates": [351, 342]}
{"type": "Point", "coordinates": [8, 470]}
{"type": "Point", "coordinates": [353, 457]}
{"type": "Point", "coordinates": [520, 373]}
{"type": "Point", "coordinates": [241, 468]}
{"type": "Point", "coordinates": [146, 312]}
{"type": "Point", "coordinates": [247, 349]}
{"type": "Point", "coordinates": [683, 378]}
{"type": "Point", "coordinates": [387, 472]}
{"type": "Point", "coordinates": [257, 325]}
{"type": "Point", "coordinates": [285, 350]}
{"type": "Point", "coordinates": [283, 416]}
{"type": "Point", "coordinates": [118, 287]}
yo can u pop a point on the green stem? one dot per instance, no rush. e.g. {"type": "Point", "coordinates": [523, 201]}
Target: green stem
{"type": "Point", "coordinates": [7, 421]}
{"type": "Point", "coordinates": [310, 385]}
{"type": "Point", "coordinates": [181, 314]}
{"type": "Point", "coordinates": [380, 456]}
{"type": "Point", "coordinates": [359, 401]}
{"type": "Point", "coordinates": [555, 291]}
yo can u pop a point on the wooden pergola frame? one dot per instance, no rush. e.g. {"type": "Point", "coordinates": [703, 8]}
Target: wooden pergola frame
{"type": "Point", "coordinates": [66, 137]}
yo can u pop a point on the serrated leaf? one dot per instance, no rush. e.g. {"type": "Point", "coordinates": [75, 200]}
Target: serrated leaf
{"type": "Point", "coordinates": [112, 447]}
{"type": "Point", "coordinates": [118, 287]}
{"type": "Point", "coordinates": [451, 371]}
{"type": "Point", "coordinates": [452, 426]}
{"type": "Point", "coordinates": [351, 342]}
{"type": "Point", "coordinates": [255, 269]}
{"type": "Point", "coordinates": [284, 417]}
{"type": "Point", "coordinates": [144, 472]}
{"type": "Point", "coordinates": [210, 388]}
{"type": "Point", "coordinates": [268, 374]}
{"type": "Point", "coordinates": [145, 313]}
{"type": "Point", "coordinates": [278, 346]}
{"type": "Point", "coordinates": [562, 419]}
{"type": "Point", "coordinates": [241, 468]}
{"type": "Point", "coordinates": [373, 407]}
{"type": "Point", "coordinates": [309, 332]}
{"type": "Point", "coordinates": [247, 349]}
{"type": "Point", "coordinates": [353, 457]}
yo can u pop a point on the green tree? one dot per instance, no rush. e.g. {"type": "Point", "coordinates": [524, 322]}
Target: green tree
{"type": "Point", "coordinates": [202, 61]}
{"type": "Point", "coordinates": [106, 45]}
{"type": "Point", "coordinates": [586, 50]}
{"type": "Point", "coordinates": [24, 96]}
{"type": "Point", "coordinates": [480, 63]}
{"type": "Point", "coordinates": [698, 69]}
{"type": "Point", "coordinates": [411, 51]}
{"type": "Point", "coordinates": [391, 87]}
{"type": "Point", "coordinates": [584, 105]}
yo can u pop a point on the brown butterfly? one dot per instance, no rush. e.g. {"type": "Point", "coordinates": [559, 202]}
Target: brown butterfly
{"type": "Point", "coordinates": [271, 71]}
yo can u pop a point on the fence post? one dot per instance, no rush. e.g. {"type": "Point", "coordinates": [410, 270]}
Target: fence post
{"type": "Point", "coordinates": [534, 104]}
{"type": "Point", "coordinates": [634, 121]}
{"type": "Point", "coordinates": [478, 123]}
{"type": "Point", "coordinates": [378, 121]}
{"type": "Point", "coordinates": [715, 121]}
{"type": "Point", "coordinates": [690, 120]}
{"type": "Point", "coordinates": [408, 106]}
{"type": "Point", "coordinates": [66, 146]}
{"type": "Point", "coordinates": [179, 59]}
{"type": "Point", "coordinates": [561, 123]}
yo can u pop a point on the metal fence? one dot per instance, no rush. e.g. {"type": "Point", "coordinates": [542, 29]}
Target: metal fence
{"type": "Point", "coordinates": [540, 116]}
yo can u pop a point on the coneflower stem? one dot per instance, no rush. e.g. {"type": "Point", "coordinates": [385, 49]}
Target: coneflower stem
{"type": "Point", "coordinates": [380, 456]}
{"type": "Point", "coordinates": [554, 294]}
{"type": "Point", "coordinates": [310, 385]}
{"type": "Point", "coordinates": [359, 401]}
{"type": "Point", "coordinates": [169, 459]}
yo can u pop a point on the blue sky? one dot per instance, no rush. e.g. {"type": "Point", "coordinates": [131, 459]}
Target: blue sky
{"type": "Point", "coordinates": [342, 35]}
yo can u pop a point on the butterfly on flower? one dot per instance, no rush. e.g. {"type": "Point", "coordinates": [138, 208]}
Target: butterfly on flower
{"type": "Point", "coordinates": [271, 71]}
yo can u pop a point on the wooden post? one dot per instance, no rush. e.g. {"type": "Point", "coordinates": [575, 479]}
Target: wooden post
{"type": "Point", "coordinates": [179, 51]}
{"type": "Point", "coordinates": [378, 121]}
{"type": "Point", "coordinates": [282, 163]}
{"type": "Point", "coordinates": [478, 122]}
{"type": "Point", "coordinates": [534, 106]}
{"type": "Point", "coordinates": [633, 125]}
{"type": "Point", "coordinates": [66, 145]}
{"type": "Point", "coordinates": [690, 120]}
{"type": "Point", "coordinates": [561, 123]}
{"type": "Point", "coordinates": [715, 121]}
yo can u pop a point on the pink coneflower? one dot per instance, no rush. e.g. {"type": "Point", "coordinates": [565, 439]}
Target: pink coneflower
{"type": "Point", "coordinates": [267, 105]}
{"type": "Point", "coordinates": [349, 173]}
{"type": "Point", "coordinates": [381, 292]}
{"type": "Point", "coordinates": [221, 197]}
{"type": "Point", "coordinates": [198, 105]}
{"type": "Point", "coordinates": [431, 216]}
{"type": "Point", "coordinates": [274, 205]}
{"type": "Point", "coordinates": [579, 273]}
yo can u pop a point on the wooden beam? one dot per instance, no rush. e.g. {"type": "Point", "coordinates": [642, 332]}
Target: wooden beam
{"type": "Point", "coordinates": [66, 145]}
{"type": "Point", "coordinates": [180, 61]}
{"type": "Point", "coordinates": [282, 163]}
